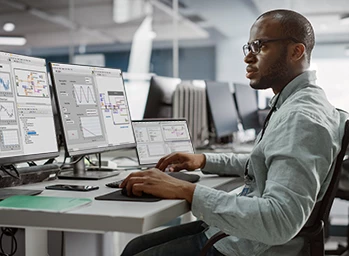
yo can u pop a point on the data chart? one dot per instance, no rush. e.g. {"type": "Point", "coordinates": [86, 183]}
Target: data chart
{"type": "Point", "coordinates": [91, 126]}
{"type": "Point", "coordinates": [5, 81]}
{"type": "Point", "coordinates": [7, 112]}
{"type": "Point", "coordinates": [31, 83]}
{"type": "Point", "coordinates": [84, 94]}
{"type": "Point", "coordinates": [175, 132]}
{"type": "Point", "coordinates": [114, 104]}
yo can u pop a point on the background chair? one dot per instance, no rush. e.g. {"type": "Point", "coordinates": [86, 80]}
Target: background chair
{"type": "Point", "coordinates": [313, 230]}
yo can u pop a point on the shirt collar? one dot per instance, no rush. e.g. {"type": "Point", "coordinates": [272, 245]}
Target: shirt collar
{"type": "Point", "coordinates": [299, 82]}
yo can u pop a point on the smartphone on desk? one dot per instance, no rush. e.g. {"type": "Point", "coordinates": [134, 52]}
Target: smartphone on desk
{"type": "Point", "coordinates": [72, 187]}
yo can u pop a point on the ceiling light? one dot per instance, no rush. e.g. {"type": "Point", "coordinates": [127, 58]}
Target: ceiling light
{"type": "Point", "coordinates": [12, 40]}
{"type": "Point", "coordinates": [9, 27]}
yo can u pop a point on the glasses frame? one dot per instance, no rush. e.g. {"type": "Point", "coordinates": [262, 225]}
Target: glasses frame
{"type": "Point", "coordinates": [246, 48]}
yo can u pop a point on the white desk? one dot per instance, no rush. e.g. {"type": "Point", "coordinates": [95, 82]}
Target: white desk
{"type": "Point", "coordinates": [100, 216]}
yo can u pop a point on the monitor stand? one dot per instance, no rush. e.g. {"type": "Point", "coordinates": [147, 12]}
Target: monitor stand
{"type": "Point", "coordinates": [80, 172]}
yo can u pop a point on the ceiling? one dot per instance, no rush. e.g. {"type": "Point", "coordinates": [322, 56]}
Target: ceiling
{"type": "Point", "coordinates": [51, 24]}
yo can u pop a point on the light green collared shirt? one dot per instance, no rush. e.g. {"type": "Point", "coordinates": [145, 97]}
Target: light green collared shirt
{"type": "Point", "coordinates": [291, 170]}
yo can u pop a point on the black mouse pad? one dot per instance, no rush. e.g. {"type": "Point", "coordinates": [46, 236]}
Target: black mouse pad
{"type": "Point", "coordinates": [184, 176]}
{"type": "Point", "coordinates": [117, 196]}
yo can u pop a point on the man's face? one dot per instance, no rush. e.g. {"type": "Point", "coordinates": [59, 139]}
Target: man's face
{"type": "Point", "coordinates": [267, 69]}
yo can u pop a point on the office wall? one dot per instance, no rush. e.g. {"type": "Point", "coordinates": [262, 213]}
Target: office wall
{"type": "Point", "coordinates": [230, 60]}
{"type": "Point", "coordinates": [194, 62]}
{"type": "Point", "coordinates": [331, 51]}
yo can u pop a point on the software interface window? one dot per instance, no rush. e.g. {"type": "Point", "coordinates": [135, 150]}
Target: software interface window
{"type": "Point", "coordinates": [26, 116]}
{"type": "Point", "coordinates": [93, 108]}
{"type": "Point", "coordinates": [156, 139]}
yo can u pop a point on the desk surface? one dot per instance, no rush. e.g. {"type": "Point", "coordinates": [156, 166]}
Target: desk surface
{"type": "Point", "coordinates": [103, 216]}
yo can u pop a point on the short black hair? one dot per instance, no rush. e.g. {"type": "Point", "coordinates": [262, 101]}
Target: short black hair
{"type": "Point", "coordinates": [294, 25]}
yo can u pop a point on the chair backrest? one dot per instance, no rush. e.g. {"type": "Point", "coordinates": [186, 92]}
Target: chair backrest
{"type": "Point", "coordinates": [322, 208]}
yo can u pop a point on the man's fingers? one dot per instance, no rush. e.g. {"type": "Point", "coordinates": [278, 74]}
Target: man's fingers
{"type": "Point", "coordinates": [132, 175]}
{"type": "Point", "coordinates": [166, 161]}
{"type": "Point", "coordinates": [137, 189]}
{"type": "Point", "coordinates": [133, 181]}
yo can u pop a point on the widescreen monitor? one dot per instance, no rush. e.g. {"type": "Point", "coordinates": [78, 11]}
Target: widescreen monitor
{"type": "Point", "coordinates": [93, 111]}
{"type": "Point", "coordinates": [27, 130]}
{"type": "Point", "coordinates": [246, 100]}
{"type": "Point", "coordinates": [221, 108]}
{"type": "Point", "coordinates": [159, 101]}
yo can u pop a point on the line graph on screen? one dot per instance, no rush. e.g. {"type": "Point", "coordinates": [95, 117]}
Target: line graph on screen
{"type": "Point", "coordinates": [5, 82]}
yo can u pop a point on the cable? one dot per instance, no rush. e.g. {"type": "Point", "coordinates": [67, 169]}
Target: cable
{"type": "Point", "coordinates": [9, 172]}
{"type": "Point", "coordinates": [70, 163]}
{"type": "Point", "coordinates": [90, 161]}
{"type": "Point", "coordinates": [61, 168]}
{"type": "Point", "coordinates": [11, 232]}
{"type": "Point", "coordinates": [50, 161]}
{"type": "Point", "coordinates": [31, 163]}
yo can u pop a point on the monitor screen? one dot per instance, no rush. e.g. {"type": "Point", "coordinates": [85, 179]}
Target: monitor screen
{"type": "Point", "coordinates": [222, 108]}
{"type": "Point", "coordinates": [159, 102]}
{"type": "Point", "coordinates": [157, 138]}
{"type": "Point", "coordinates": [93, 108]}
{"type": "Point", "coordinates": [247, 105]}
{"type": "Point", "coordinates": [27, 130]}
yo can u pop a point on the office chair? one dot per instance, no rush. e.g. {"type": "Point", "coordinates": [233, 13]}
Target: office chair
{"type": "Point", "coordinates": [342, 193]}
{"type": "Point", "coordinates": [313, 230]}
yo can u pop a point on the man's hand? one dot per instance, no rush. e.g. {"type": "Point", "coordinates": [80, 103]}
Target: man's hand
{"type": "Point", "coordinates": [181, 161]}
{"type": "Point", "coordinates": [157, 183]}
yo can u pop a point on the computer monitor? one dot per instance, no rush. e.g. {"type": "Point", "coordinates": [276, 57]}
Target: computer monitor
{"type": "Point", "coordinates": [27, 130]}
{"type": "Point", "coordinates": [221, 108]}
{"type": "Point", "coordinates": [159, 102]}
{"type": "Point", "coordinates": [94, 113]}
{"type": "Point", "coordinates": [246, 100]}
{"type": "Point", "coordinates": [159, 137]}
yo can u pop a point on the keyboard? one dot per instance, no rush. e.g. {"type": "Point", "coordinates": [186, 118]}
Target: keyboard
{"type": "Point", "coordinates": [114, 184]}
{"type": "Point", "coordinates": [7, 192]}
{"type": "Point", "coordinates": [178, 175]}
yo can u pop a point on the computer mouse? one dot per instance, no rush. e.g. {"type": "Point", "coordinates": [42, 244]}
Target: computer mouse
{"type": "Point", "coordinates": [145, 195]}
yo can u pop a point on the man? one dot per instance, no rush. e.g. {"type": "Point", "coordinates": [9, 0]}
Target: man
{"type": "Point", "coordinates": [287, 171]}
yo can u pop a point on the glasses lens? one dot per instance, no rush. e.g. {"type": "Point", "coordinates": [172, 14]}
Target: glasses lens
{"type": "Point", "coordinates": [255, 47]}
{"type": "Point", "coordinates": [246, 49]}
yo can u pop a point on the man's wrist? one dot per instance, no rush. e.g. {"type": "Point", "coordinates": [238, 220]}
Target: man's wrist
{"type": "Point", "coordinates": [203, 161]}
{"type": "Point", "coordinates": [188, 191]}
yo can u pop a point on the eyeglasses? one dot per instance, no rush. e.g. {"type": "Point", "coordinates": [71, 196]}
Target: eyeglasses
{"type": "Point", "coordinates": [256, 45]}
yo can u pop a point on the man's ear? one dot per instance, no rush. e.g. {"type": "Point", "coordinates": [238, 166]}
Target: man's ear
{"type": "Point", "coordinates": [298, 51]}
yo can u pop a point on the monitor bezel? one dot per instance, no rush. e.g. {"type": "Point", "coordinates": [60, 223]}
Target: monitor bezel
{"type": "Point", "coordinates": [92, 150]}
{"type": "Point", "coordinates": [218, 132]}
{"type": "Point", "coordinates": [255, 124]}
{"type": "Point", "coordinates": [8, 160]}
{"type": "Point", "coordinates": [155, 97]}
